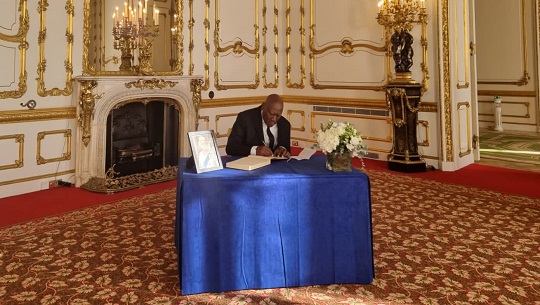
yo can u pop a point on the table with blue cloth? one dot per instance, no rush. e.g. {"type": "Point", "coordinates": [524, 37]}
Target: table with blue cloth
{"type": "Point", "coordinates": [283, 225]}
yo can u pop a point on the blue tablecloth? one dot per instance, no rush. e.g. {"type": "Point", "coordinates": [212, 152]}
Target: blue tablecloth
{"type": "Point", "coordinates": [286, 224]}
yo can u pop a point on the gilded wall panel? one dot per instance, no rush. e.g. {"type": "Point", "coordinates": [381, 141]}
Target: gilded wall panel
{"type": "Point", "coordinates": [12, 151]}
{"type": "Point", "coordinates": [55, 64]}
{"type": "Point", "coordinates": [13, 44]}
{"type": "Point", "coordinates": [296, 44]}
{"type": "Point", "coordinates": [237, 44]}
{"type": "Point", "coordinates": [461, 44]}
{"type": "Point", "coordinates": [60, 139]}
{"type": "Point", "coordinates": [464, 128]}
{"type": "Point", "coordinates": [347, 48]}
{"type": "Point", "coordinates": [270, 44]}
{"type": "Point", "coordinates": [501, 43]}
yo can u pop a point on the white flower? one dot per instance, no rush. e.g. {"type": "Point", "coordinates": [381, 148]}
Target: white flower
{"type": "Point", "coordinates": [341, 137]}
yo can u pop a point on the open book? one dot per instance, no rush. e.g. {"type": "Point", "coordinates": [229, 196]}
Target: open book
{"type": "Point", "coordinates": [250, 162]}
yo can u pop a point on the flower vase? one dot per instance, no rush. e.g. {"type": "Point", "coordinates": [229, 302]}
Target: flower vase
{"type": "Point", "coordinates": [339, 162]}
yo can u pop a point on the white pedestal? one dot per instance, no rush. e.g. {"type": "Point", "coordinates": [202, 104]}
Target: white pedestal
{"type": "Point", "coordinates": [498, 115]}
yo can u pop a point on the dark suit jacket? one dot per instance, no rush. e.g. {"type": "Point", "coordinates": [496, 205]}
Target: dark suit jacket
{"type": "Point", "coordinates": [247, 132]}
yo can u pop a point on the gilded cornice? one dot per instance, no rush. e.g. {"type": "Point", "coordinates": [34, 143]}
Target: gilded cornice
{"type": "Point", "coordinates": [20, 116]}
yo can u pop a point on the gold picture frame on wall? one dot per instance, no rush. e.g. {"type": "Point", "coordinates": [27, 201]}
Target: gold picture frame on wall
{"type": "Point", "coordinates": [97, 36]}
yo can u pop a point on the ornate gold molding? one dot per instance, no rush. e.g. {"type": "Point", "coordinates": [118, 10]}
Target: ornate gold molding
{"type": "Point", "coordinates": [302, 114]}
{"type": "Point", "coordinates": [446, 120]}
{"type": "Point", "coordinates": [527, 105]}
{"type": "Point", "coordinates": [111, 185]}
{"type": "Point", "coordinates": [206, 120]}
{"type": "Point", "coordinates": [7, 117]}
{"type": "Point", "coordinates": [311, 100]}
{"type": "Point", "coordinates": [467, 106]}
{"type": "Point", "coordinates": [20, 37]}
{"type": "Point", "coordinates": [87, 102]}
{"type": "Point", "coordinates": [265, 49]}
{"type": "Point", "coordinates": [196, 87]}
{"type": "Point", "coordinates": [237, 47]}
{"type": "Point", "coordinates": [424, 64]}
{"type": "Point", "coordinates": [19, 138]}
{"type": "Point", "coordinates": [24, 25]}
{"type": "Point", "coordinates": [302, 31]}
{"type": "Point", "coordinates": [428, 107]}
{"type": "Point", "coordinates": [388, 121]}
{"type": "Point", "coordinates": [90, 69]}
{"type": "Point", "coordinates": [217, 118]}
{"type": "Point", "coordinates": [507, 93]}
{"type": "Point", "coordinates": [33, 178]}
{"type": "Point", "coordinates": [232, 101]}
{"type": "Point", "coordinates": [150, 84]}
{"type": "Point", "coordinates": [465, 36]}
{"type": "Point", "coordinates": [345, 47]}
{"type": "Point", "coordinates": [426, 126]}
{"type": "Point", "coordinates": [42, 8]}
{"type": "Point", "coordinates": [65, 156]}
{"type": "Point", "coordinates": [206, 23]}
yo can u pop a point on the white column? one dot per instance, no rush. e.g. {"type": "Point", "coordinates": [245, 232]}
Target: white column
{"type": "Point", "coordinates": [498, 113]}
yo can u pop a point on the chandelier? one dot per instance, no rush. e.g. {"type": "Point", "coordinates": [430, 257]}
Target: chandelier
{"type": "Point", "coordinates": [400, 15]}
{"type": "Point", "coordinates": [135, 29]}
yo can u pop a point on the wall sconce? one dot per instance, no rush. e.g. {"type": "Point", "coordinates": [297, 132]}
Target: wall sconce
{"type": "Point", "coordinates": [400, 15]}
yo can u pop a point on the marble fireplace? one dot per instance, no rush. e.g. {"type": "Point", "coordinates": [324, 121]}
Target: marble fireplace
{"type": "Point", "coordinates": [98, 97]}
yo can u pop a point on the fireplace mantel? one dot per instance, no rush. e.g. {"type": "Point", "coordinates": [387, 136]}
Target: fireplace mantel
{"type": "Point", "coordinates": [95, 97]}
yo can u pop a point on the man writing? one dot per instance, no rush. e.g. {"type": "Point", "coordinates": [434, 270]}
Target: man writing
{"type": "Point", "coordinates": [261, 131]}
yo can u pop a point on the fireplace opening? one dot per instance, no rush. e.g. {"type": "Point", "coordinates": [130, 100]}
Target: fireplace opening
{"type": "Point", "coordinates": [141, 137]}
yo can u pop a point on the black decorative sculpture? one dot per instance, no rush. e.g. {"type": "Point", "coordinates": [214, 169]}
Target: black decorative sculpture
{"type": "Point", "coordinates": [402, 51]}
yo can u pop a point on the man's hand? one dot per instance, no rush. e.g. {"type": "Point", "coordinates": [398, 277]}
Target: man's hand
{"type": "Point", "coordinates": [264, 151]}
{"type": "Point", "coordinates": [282, 152]}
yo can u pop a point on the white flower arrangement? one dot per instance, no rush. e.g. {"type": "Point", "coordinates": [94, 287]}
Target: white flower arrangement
{"type": "Point", "coordinates": [340, 138]}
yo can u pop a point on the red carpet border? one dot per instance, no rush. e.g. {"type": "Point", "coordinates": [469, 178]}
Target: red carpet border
{"type": "Point", "coordinates": [434, 243]}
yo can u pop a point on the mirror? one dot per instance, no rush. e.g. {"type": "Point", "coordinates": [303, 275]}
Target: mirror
{"type": "Point", "coordinates": [155, 49]}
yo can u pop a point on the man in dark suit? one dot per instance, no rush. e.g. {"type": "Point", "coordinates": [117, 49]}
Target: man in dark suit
{"type": "Point", "coordinates": [261, 131]}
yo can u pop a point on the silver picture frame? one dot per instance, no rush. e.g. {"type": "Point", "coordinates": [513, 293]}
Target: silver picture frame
{"type": "Point", "coordinates": [205, 151]}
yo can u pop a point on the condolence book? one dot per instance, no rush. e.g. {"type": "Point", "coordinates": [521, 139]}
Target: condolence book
{"type": "Point", "coordinates": [250, 162]}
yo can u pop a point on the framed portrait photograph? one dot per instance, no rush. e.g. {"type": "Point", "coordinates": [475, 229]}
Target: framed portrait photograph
{"type": "Point", "coordinates": [205, 151]}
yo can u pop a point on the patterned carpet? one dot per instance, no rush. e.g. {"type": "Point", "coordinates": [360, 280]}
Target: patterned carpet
{"type": "Point", "coordinates": [434, 244]}
{"type": "Point", "coordinates": [510, 146]}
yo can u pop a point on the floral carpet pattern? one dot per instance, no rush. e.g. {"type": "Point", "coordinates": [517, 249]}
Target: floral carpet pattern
{"type": "Point", "coordinates": [434, 243]}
